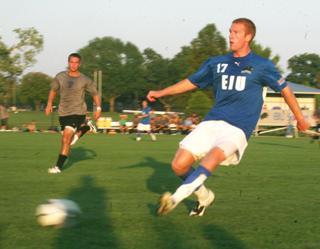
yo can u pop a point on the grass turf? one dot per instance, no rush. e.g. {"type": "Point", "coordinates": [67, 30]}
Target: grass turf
{"type": "Point", "coordinates": [43, 122]}
{"type": "Point", "coordinates": [271, 200]}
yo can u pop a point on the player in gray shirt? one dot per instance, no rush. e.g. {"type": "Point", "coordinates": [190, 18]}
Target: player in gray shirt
{"type": "Point", "coordinates": [72, 87]}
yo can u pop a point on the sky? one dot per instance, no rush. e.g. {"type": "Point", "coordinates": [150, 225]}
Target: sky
{"type": "Point", "coordinates": [288, 27]}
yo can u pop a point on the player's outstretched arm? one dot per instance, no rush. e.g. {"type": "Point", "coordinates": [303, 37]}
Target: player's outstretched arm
{"type": "Point", "coordinates": [51, 97]}
{"type": "Point", "coordinates": [97, 113]}
{"type": "Point", "coordinates": [292, 102]}
{"type": "Point", "coordinates": [180, 87]}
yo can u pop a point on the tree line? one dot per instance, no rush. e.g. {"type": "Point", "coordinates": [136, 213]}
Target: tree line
{"type": "Point", "coordinates": [128, 73]}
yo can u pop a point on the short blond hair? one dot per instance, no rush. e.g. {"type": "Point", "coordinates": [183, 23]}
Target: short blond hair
{"type": "Point", "coordinates": [249, 25]}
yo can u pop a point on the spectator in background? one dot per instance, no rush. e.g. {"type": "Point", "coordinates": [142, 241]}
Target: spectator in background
{"type": "Point", "coordinates": [135, 121]}
{"type": "Point", "coordinates": [122, 122]}
{"type": "Point", "coordinates": [195, 119]}
{"type": "Point", "coordinates": [174, 124]}
{"type": "Point", "coordinates": [144, 123]}
{"type": "Point", "coordinates": [4, 116]}
{"type": "Point", "coordinates": [158, 125]}
{"type": "Point", "coordinates": [187, 125]}
{"type": "Point", "coordinates": [30, 127]}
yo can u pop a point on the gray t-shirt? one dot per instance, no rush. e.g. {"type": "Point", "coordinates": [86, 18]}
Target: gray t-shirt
{"type": "Point", "coordinates": [72, 93]}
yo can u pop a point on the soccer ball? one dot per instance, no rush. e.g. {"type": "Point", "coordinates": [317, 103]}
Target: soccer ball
{"type": "Point", "coordinates": [58, 213]}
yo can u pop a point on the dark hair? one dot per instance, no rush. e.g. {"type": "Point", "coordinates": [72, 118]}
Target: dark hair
{"type": "Point", "coordinates": [250, 26]}
{"type": "Point", "coordinates": [74, 55]}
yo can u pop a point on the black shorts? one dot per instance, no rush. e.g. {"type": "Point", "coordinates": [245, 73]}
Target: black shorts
{"type": "Point", "coordinates": [4, 121]}
{"type": "Point", "coordinates": [75, 121]}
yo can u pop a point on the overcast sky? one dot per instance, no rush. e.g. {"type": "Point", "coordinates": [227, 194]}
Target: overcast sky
{"type": "Point", "coordinates": [287, 27]}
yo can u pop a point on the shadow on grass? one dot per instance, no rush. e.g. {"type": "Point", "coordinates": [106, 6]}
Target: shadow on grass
{"type": "Point", "coordinates": [79, 154]}
{"type": "Point", "coordinates": [95, 229]}
{"type": "Point", "coordinates": [162, 180]}
{"type": "Point", "coordinates": [170, 233]}
{"type": "Point", "coordinates": [221, 239]}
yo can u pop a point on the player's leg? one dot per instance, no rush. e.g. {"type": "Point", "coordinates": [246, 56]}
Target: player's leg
{"type": "Point", "coordinates": [193, 179]}
{"type": "Point", "coordinates": [182, 167]}
{"type": "Point", "coordinates": [215, 157]}
{"type": "Point", "coordinates": [192, 147]}
{"type": "Point", "coordinates": [151, 134]}
{"type": "Point", "coordinates": [68, 133]}
{"type": "Point", "coordinates": [220, 142]}
{"type": "Point", "coordinates": [84, 127]}
{"type": "Point", "coordinates": [81, 132]}
{"type": "Point", "coordinates": [139, 132]}
{"type": "Point", "coordinates": [182, 162]}
{"type": "Point", "coordinates": [69, 125]}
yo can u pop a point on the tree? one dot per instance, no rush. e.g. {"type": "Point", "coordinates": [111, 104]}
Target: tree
{"type": "Point", "coordinates": [179, 66]}
{"type": "Point", "coordinates": [156, 68]}
{"type": "Point", "coordinates": [305, 69]}
{"type": "Point", "coordinates": [156, 72]}
{"type": "Point", "coordinates": [121, 65]}
{"type": "Point", "coordinates": [34, 89]}
{"type": "Point", "coordinates": [265, 52]}
{"type": "Point", "coordinates": [209, 43]}
{"type": "Point", "coordinates": [16, 58]}
{"type": "Point", "coordinates": [199, 103]}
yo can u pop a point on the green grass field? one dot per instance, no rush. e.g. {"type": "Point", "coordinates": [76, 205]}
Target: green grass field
{"type": "Point", "coordinates": [44, 122]}
{"type": "Point", "coordinates": [271, 200]}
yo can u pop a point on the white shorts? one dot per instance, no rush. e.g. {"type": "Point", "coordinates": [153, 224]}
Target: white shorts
{"type": "Point", "coordinates": [210, 134]}
{"type": "Point", "coordinates": [144, 127]}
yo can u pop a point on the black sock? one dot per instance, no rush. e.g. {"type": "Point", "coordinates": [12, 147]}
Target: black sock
{"type": "Point", "coordinates": [61, 160]}
{"type": "Point", "coordinates": [84, 129]}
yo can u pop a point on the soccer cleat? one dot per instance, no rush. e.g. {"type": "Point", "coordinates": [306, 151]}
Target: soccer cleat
{"type": "Point", "coordinates": [153, 137]}
{"type": "Point", "coordinates": [54, 170]}
{"type": "Point", "coordinates": [166, 204]}
{"type": "Point", "coordinates": [74, 139]}
{"type": "Point", "coordinates": [92, 126]}
{"type": "Point", "coordinates": [138, 139]}
{"type": "Point", "coordinates": [201, 206]}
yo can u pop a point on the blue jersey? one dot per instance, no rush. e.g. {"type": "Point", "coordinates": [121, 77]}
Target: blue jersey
{"type": "Point", "coordinates": [238, 85]}
{"type": "Point", "coordinates": [145, 111]}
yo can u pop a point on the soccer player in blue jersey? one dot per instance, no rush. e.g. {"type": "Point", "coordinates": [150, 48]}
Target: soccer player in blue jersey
{"type": "Point", "coordinates": [144, 123]}
{"type": "Point", "coordinates": [238, 79]}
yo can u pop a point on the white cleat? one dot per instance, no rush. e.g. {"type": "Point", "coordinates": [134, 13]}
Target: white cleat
{"type": "Point", "coordinates": [153, 137]}
{"type": "Point", "coordinates": [54, 170]}
{"type": "Point", "coordinates": [201, 206]}
{"type": "Point", "coordinates": [74, 139]}
{"type": "Point", "coordinates": [138, 139]}
{"type": "Point", "coordinates": [93, 128]}
{"type": "Point", "coordinates": [166, 204]}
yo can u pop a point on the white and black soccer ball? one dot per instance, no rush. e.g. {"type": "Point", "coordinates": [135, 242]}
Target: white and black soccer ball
{"type": "Point", "coordinates": [58, 213]}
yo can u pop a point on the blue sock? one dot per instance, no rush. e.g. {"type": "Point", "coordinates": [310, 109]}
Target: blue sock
{"type": "Point", "coordinates": [191, 184]}
{"type": "Point", "coordinates": [185, 176]}
{"type": "Point", "coordinates": [195, 174]}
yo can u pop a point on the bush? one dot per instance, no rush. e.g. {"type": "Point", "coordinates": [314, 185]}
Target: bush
{"type": "Point", "coordinates": [199, 103]}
